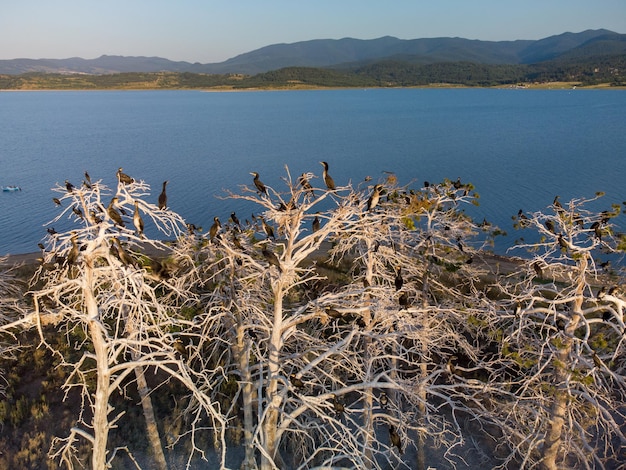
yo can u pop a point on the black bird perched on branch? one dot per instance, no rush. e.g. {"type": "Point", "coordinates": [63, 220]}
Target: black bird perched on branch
{"type": "Point", "coordinates": [315, 225]}
{"type": "Point", "coordinates": [163, 197]}
{"type": "Point", "coordinates": [123, 177]}
{"type": "Point", "coordinates": [180, 348]}
{"type": "Point", "coordinates": [114, 214]}
{"type": "Point", "coordinates": [69, 186]}
{"type": "Point", "coordinates": [375, 197]}
{"type": "Point", "coordinates": [550, 225]}
{"type": "Point", "coordinates": [398, 281]}
{"type": "Point", "coordinates": [88, 180]}
{"type": "Point", "coordinates": [296, 381]}
{"type": "Point", "coordinates": [383, 400]}
{"type": "Point", "coordinates": [404, 300]}
{"type": "Point", "coordinates": [394, 437]}
{"type": "Point", "coordinates": [214, 228]}
{"type": "Point", "coordinates": [537, 267]}
{"type": "Point", "coordinates": [304, 182]}
{"type": "Point", "coordinates": [72, 256]}
{"type": "Point", "coordinates": [597, 230]}
{"type": "Point", "coordinates": [235, 219]}
{"type": "Point", "coordinates": [123, 256]}
{"type": "Point", "coordinates": [76, 210]}
{"type": "Point", "coordinates": [56, 200]}
{"type": "Point", "coordinates": [269, 231]}
{"type": "Point", "coordinates": [330, 183]}
{"type": "Point", "coordinates": [271, 258]}
{"type": "Point", "coordinates": [137, 220]}
{"type": "Point", "coordinates": [338, 405]}
{"type": "Point", "coordinates": [258, 183]}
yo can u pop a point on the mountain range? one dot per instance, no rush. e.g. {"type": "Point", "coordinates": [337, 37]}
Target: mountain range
{"type": "Point", "coordinates": [349, 53]}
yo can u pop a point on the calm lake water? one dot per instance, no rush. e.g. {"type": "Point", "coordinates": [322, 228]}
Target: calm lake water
{"type": "Point", "coordinates": [518, 147]}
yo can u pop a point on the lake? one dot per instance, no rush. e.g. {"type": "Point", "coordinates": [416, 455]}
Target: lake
{"type": "Point", "coordinates": [519, 148]}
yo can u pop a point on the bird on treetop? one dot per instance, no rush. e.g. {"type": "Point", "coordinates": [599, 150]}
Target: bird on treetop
{"type": "Point", "coordinates": [330, 183]}
{"type": "Point", "coordinates": [123, 177]}
{"type": "Point", "coordinates": [163, 197]}
{"type": "Point", "coordinates": [258, 183]}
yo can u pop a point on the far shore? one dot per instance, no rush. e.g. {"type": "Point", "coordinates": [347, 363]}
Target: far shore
{"type": "Point", "coordinates": [303, 87]}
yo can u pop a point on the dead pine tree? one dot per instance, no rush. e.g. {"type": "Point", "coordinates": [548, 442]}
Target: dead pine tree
{"type": "Point", "coordinates": [564, 340]}
{"type": "Point", "coordinates": [101, 283]}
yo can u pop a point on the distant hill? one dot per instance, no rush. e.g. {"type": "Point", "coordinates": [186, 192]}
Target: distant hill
{"type": "Point", "coordinates": [347, 53]}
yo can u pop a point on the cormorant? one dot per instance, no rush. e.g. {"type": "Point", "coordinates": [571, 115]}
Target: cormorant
{"type": "Point", "coordinates": [562, 242]}
{"type": "Point", "coordinates": [76, 210]}
{"type": "Point", "coordinates": [94, 218]}
{"type": "Point", "coordinates": [338, 405]}
{"type": "Point", "coordinates": [330, 184]}
{"type": "Point", "coordinates": [557, 205]}
{"type": "Point", "coordinates": [315, 225]}
{"type": "Point", "coordinates": [114, 214]}
{"type": "Point", "coordinates": [271, 258]}
{"type": "Point", "coordinates": [304, 182]}
{"type": "Point", "coordinates": [523, 220]}
{"type": "Point", "coordinates": [332, 313]}
{"type": "Point", "coordinates": [296, 381]}
{"type": "Point", "coordinates": [51, 231]}
{"type": "Point", "coordinates": [235, 220]}
{"type": "Point", "coordinates": [398, 281]}
{"type": "Point", "coordinates": [269, 231]}
{"type": "Point", "coordinates": [383, 400]}
{"type": "Point", "coordinates": [214, 228]}
{"type": "Point", "coordinates": [41, 246]}
{"type": "Point", "coordinates": [137, 220]}
{"type": "Point", "coordinates": [88, 180]}
{"type": "Point", "coordinates": [56, 200]}
{"type": "Point", "coordinates": [375, 197]}
{"type": "Point", "coordinates": [457, 184]}
{"type": "Point", "coordinates": [537, 267]}
{"type": "Point", "coordinates": [550, 225]}
{"type": "Point", "coordinates": [259, 184]}
{"type": "Point", "coordinates": [163, 197]}
{"type": "Point", "coordinates": [124, 257]}
{"type": "Point", "coordinates": [123, 177]}
{"type": "Point", "coordinates": [180, 348]}
{"type": "Point", "coordinates": [597, 230]}
{"type": "Point", "coordinates": [236, 242]}
{"type": "Point", "coordinates": [394, 437]}
{"type": "Point", "coordinates": [72, 256]}
{"type": "Point", "coordinates": [69, 186]}
{"type": "Point", "coordinates": [403, 300]}
{"type": "Point", "coordinates": [192, 228]}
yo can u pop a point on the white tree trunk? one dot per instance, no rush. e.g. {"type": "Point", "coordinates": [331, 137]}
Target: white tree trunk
{"type": "Point", "coordinates": [151, 422]}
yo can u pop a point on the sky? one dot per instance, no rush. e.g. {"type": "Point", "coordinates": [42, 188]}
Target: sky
{"type": "Point", "coordinates": [208, 31]}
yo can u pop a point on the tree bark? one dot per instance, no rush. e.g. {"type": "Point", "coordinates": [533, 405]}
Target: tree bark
{"type": "Point", "coordinates": [270, 426]}
{"type": "Point", "coordinates": [151, 422]}
{"type": "Point", "coordinates": [553, 439]}
{"type": "Point", "coordinates": [101, 399]}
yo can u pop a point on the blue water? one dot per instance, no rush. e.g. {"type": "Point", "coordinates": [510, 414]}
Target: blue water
{"type": "Point", "coordinates": [518, 147]}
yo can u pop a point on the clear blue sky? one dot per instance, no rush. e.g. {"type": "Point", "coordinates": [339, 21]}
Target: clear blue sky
{"type": "Point", "coordinates": [212, 31]}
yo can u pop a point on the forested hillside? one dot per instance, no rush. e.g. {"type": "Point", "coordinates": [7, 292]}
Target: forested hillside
{"type": "Point", "coordinates": [610, 70]}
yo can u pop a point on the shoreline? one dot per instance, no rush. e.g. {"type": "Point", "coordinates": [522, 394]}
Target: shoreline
{"type": "Point", "coordinates": [226, 89]}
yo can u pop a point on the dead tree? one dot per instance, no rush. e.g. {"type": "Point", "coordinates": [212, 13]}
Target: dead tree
{"type": "Point", "coordinates": [314, 359]}
{"type": "Point", "coordinates": [104, 277]}
{"type": "Point", "coordinates": [563, 343]}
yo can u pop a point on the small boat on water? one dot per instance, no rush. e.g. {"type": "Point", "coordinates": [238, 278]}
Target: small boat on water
{"type": "Point", "coordinates": [11, 188]}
